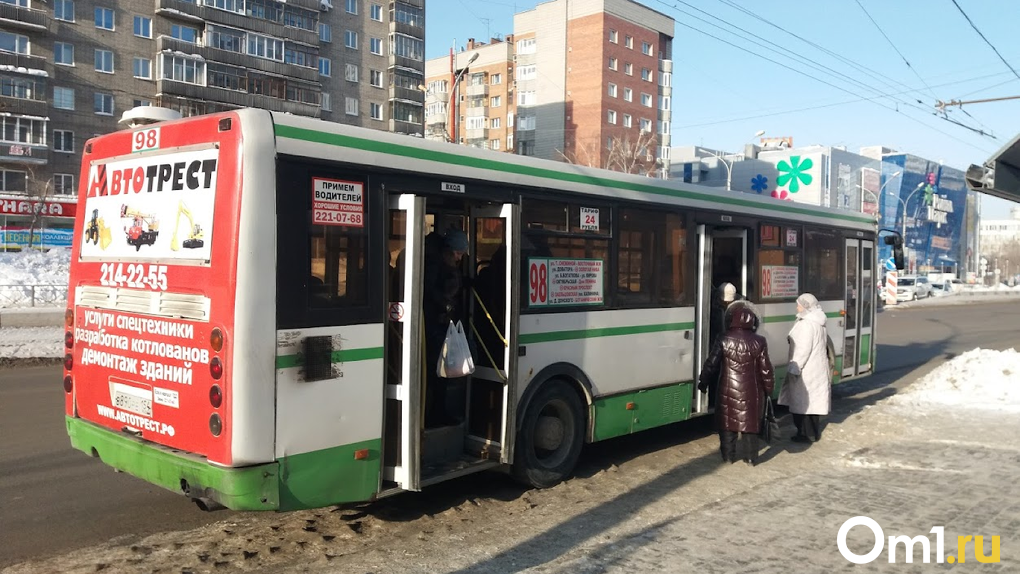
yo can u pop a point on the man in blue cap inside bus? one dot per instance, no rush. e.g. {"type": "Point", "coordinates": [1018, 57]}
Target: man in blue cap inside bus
{"type": "Point", "coordinates": [443, 303]}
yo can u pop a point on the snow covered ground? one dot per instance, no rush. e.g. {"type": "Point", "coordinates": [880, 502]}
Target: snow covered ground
{"type": "Point", "coordinates": [978, 379]}
{"type": "Point", "coordinates": [46, 272]}
{"type": "Point", "coordinates": [31, 343]}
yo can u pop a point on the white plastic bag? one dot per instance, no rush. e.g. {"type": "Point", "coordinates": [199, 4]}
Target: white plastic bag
{"type": "Point", "coordinates": [455, 357]}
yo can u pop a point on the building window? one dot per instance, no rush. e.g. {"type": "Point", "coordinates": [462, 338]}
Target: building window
{"type": "Point", "coordinates": [525, 123]}
{"type": "Point", "coordinates": [15, 43]}
{"type": "Point", "coordinates": [375, 110]}
{"type": "Point", "coordinates": [646, 100]}
{"type": "Point", "coordinates": [529, 72]}
{"type": "Point", "coordinates": [646, 48]}
{"type": "Point", "coordinates": [510, 122]}
{"type": "Point", "coordinates": [63, 10]}
{"type": "Point", "coordinates": [628, 95]}
{"type": "Point", "coordinates": [352, 6]}
{"type": "Point", "coordinates": [614, 37]}
{"type": "Point", "coordinates": [22, 88]}
{"type": "Point", "coordinates": [612, 63]}
{"type": "Point", "coordinates": [325, 67]}
{"type": "Point", "coordinates": [407, 47]}
{"type": "Point", "coordinates": [143, 68]}
{"type": "Point", "coordinates": [646, 74]}
{"type": "Point", "coordinates": [351, 72]}
{"type": "Point", "coordinates": [495, 101]}
{"type": "Point", "coordinates": [510, 142]}
{"type": "Point", "coordinates": [496, 79]}
{"type": "Point", "coordinates": [629, 42]}
{"type": "Point", "coordinates": [612, 90]}
{"type": "Point", "coordinates": [496, 122]}
{"type": "Point", "coordinates": [494, 145]}
{"type": "Point", "coordinates": [375, 46]}
{"type": "Point", "coordinates": [351, 39]}
{"type": "Point", "coordinates": [13, 181]}
{"type": "Point", "coordinates": [664, 102]}
{"type": "Point", "coordinates": [63, 184]}
{"type": "Point", "coordinates": [104, 104]}
{"type": "Point", "coordinates": [325, 32]}
{"type": "Point", "coordinates": [376, 12]}
{"type": "Point", "coordinates": [351, 106]}
{"type": "Point", "coordinates": [63, 98]}
{"type": "Point", "coordinates": [227, 39]}
{"type": "Point", "coordinates": [526, 46]}
{"type": "Point", "coordinates": [299, 55]}
{"type": "Point", "coordinates": [236, 6]}
{"type": "Point", "coordinates": [143, 27]}
{"type": "Point", "coordinates": [327, 106]}
{"type": "Point", "coordinates": [181, 69]}
{"type": "Point", "coordinates": [265, 47]}
{"type": "Point", "coordinates": [375, 78]}
{"type": "Point", "coordinates": [627, 121]}
{"type": "Point", "coordinates": [527, 98]}
{"type": "Point", "coordinates": [63, 53]}
{"type": "Point", "coordinates": [63, 141]}
{"type": "Point", "coordinates": [140, 103]}
{"type": "Point", "coordinates": [104, 18]}
{"type": "Point", "coordinates": [185, 33]}
{"type": "Point", "coordinates": [104, 61]}
{"type": "Point", "coordinates": [646, 125]}
{"type": "Point", "coordinates": [628, 69]}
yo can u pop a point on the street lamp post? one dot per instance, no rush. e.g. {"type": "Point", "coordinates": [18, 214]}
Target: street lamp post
{"type": "Point", "coordinates": [453, 96]}
{"type": "Point", "coordinates": [729, 165]}
{"type": "Point", "coordinates": [878, 198]}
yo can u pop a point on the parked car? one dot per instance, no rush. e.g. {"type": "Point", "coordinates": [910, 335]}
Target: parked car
{"type": "Point", "coordinates": [912, 287]}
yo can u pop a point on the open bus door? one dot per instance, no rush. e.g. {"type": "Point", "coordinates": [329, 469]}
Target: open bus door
{"type": "Point", "coordinates": [404, 343]}
{"type": "Point", "coordinates": [722, 258]}
{"type": "Point", "coordinates": [492, 393]}
{"type": "Point", "coordinates": [859, 309]}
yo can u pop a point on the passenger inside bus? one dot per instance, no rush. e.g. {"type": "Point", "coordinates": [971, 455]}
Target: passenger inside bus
{"type": "Point", "coordinates": [443, 303]}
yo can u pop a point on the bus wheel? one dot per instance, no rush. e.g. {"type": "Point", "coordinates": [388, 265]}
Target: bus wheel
{"type": "Point", "coordinates": [551, 435]}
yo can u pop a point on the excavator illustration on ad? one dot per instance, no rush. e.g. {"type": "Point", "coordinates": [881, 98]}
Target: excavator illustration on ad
{"type": "Point", "coordinates": [97, 232]}
{"type": "Point", "coordinates": [144, 227]}
{"type": "Point", "coordinates": [194, 240]}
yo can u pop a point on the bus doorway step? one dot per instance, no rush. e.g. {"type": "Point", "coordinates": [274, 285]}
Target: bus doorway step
{"type": "Point", "coordinates": [442, 444]}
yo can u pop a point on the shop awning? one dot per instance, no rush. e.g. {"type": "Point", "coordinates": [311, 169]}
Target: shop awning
{"type": "Point", "coordinates": [1000, 175]}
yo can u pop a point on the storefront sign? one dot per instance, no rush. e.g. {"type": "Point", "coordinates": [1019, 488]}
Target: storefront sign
{"type": "Point", "coordinates": [50, 208]}
{"type": "Point", "coordinates": [41, 238]}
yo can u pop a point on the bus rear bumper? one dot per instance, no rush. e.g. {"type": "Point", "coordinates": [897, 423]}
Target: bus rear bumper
{"type": "Point", "coordinates": [247, 488]}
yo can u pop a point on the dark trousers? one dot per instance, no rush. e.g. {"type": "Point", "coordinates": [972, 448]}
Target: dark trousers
{"type": "Point", "coordinates": [808, 426]}
{"type": "Point", "coordinates": [736, 446]}
{"type": "Point", "coordinates": [435, 386]}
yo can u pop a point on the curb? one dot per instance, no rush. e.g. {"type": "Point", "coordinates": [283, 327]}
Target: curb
{"type": "Point", "coordinates": [32, 317]}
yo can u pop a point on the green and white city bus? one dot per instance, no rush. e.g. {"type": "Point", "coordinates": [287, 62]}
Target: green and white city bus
{"type": "Point", "coordinates": [267, 353]}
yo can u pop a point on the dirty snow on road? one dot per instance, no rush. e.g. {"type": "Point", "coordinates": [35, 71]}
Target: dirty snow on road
{"type": "Point", "coordinates": [978, 379]}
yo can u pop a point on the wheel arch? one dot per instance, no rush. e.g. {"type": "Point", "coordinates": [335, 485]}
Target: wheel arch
{"type": "Point", "coordinates": [568, 372]}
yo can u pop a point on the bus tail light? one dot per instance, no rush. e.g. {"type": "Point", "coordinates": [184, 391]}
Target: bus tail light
{"type": "Point", "coordinates": [68, 362]}
{"type": "Point", "coordinates": [68, 339]}
{"type": "Point", "coordinates": [68, 384]}
{"type": "Point", "coordinates": [215, 396]}
{"type": "Point", "coordinates": [215, 425]}
{"type": "Point", "coordinates": [216, 340]}
{"type": "Point", "coordinates": [69, 318]}
{"type": "Point", "coordinates": [216, 368]}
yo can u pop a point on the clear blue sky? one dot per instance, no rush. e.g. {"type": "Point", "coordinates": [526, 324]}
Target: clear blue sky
{"type": "Point", "coordinates": [724, 92]}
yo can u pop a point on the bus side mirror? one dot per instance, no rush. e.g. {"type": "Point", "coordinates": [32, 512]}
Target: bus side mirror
{"type": "Point", "coordinates": [897, 248]}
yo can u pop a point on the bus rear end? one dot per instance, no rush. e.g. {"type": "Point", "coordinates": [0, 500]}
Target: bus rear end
{"type": "Point", "coordinates": [155, 361]}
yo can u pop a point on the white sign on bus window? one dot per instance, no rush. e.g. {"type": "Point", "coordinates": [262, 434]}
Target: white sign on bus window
{"type": "Point", "coordinates": [589, 219]}
{"type": "Point", "coordinates": [779, 281]}
{"type": "Point", "coordinates": [565, 282]}
{"type": "Point", "coordinates": [338, 202]}
{"type": "Point", "coordinates": [151, 207]}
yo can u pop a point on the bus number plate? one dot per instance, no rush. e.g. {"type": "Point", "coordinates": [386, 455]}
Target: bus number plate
{"type": "Point", "coordinates": [145, 140]}
{"type": "Point", "coordinates": [132, 403]}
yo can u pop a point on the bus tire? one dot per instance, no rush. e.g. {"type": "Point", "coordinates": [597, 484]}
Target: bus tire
{"type": "Point", "coordinates": [550, 437]}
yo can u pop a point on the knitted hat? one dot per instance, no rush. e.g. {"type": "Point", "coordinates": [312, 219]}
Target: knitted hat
{"type": "Point", "coordinates": [729, 292]}
{"type": "Point", "coordinates": [456, 240]}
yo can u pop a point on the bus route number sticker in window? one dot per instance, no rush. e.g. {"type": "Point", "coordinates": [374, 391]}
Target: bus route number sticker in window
{"type": "Point", "coordinates": [538, 282]}
{"type": "Point", "coordinates": [145, 140]}
{"type": "Point", "coordinates": [338, 202]}
{"type": "Point", "coordinates": [589, 219]}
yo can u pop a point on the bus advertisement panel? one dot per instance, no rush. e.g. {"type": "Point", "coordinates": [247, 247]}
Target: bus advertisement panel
{"type": "Point", "coordinates": [151, 302]}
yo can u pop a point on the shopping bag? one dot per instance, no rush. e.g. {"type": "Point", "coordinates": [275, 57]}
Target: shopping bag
{"type": "Point", "coordinates": [769, 428]}
{"type": "Point", "coordinates": [455, 357]}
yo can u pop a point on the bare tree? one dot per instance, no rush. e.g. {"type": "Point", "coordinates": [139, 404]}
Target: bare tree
{"type": "Point", "coordinates": [38, 193]}
{"type": "Point", "coordinates": [626, 153]}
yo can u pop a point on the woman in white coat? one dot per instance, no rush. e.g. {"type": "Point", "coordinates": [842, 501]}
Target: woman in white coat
{"type": "Point", "coordinates": [807, 390]}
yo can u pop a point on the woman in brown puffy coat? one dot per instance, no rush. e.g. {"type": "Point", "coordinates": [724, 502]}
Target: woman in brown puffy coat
{"type": "Point", "coordinates": [739, 361]}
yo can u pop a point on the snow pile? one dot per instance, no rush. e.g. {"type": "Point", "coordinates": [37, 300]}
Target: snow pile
{"type": "Point", "coordinates": [31, 343]}
{"type": "Point", "coordinates": [979, 379]}
{"type": "Point", "coordinates": [20, 271]}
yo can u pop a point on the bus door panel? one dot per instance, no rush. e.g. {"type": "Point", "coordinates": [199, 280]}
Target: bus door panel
{"type": "Point", "coordinates": [866, 303]}
{"type": "Point", "coordinates": [404, 343]}
{"type": "Point", "coordinates": [492, 398]}
{"type": "Point", "coordinates": [851, 311]}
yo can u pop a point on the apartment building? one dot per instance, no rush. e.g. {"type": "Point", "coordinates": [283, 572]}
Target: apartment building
{"type": "Point", "coordinates": [70, 68]}
{"type": "Point", "coordinates": [594, 84]}
{"type": "Point", "coordinates": [482, 105]}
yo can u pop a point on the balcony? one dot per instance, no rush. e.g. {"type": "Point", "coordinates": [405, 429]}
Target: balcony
{"type": "Point", "coordinates": [409, 63]}
{"type": "Point", "coordinates": [477, 89]}
{"type": "Point", "coordinates": [241, 60]}
{"type": "Point", "coordinates": [665, 91]}
{"type": "Point", "coordinates": [436, 119]}
{"type": "Point", "coordinates": [398, 93]}
{"type": "Point", "coordinates": [242, 99]}
{"type": "Point", "coordinates": [666, 66]}
{"type": "Point", "coordinates": [197, 13]}
{"type": "Point", "coordinates": [476, 134]}
{"type": "Point", "coordinates": [22, 61]}
{"type": "Point", "coordinates": [407, 30]}
{"type": "Point", "coordinates": [437, 97]}
{"type": "Point", "coordinates": [475, 112]}
{"type": "Point", "coordinates": [23, 18]}
{"type": "Point", "coordinates": [23, 107]}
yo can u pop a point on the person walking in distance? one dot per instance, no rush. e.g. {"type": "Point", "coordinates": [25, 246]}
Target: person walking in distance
{"type": "Point", "coordinates": [739, 364]}
{"type": "Point", "coordinates": [807, 390]}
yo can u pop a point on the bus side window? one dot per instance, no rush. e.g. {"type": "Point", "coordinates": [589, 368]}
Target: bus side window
{"type": "Point", "coordinates": [339, 276]}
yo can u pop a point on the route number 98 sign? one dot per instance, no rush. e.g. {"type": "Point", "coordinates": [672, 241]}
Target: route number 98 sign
{"type": "Point", "coordinates": [565, 282]}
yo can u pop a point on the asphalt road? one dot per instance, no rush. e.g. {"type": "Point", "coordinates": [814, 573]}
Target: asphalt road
{"type": "Point", "coordinates": [54, 499]}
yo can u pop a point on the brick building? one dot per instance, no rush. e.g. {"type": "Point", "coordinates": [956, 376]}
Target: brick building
{"type": "Point", "coordinates": [70, 68]}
